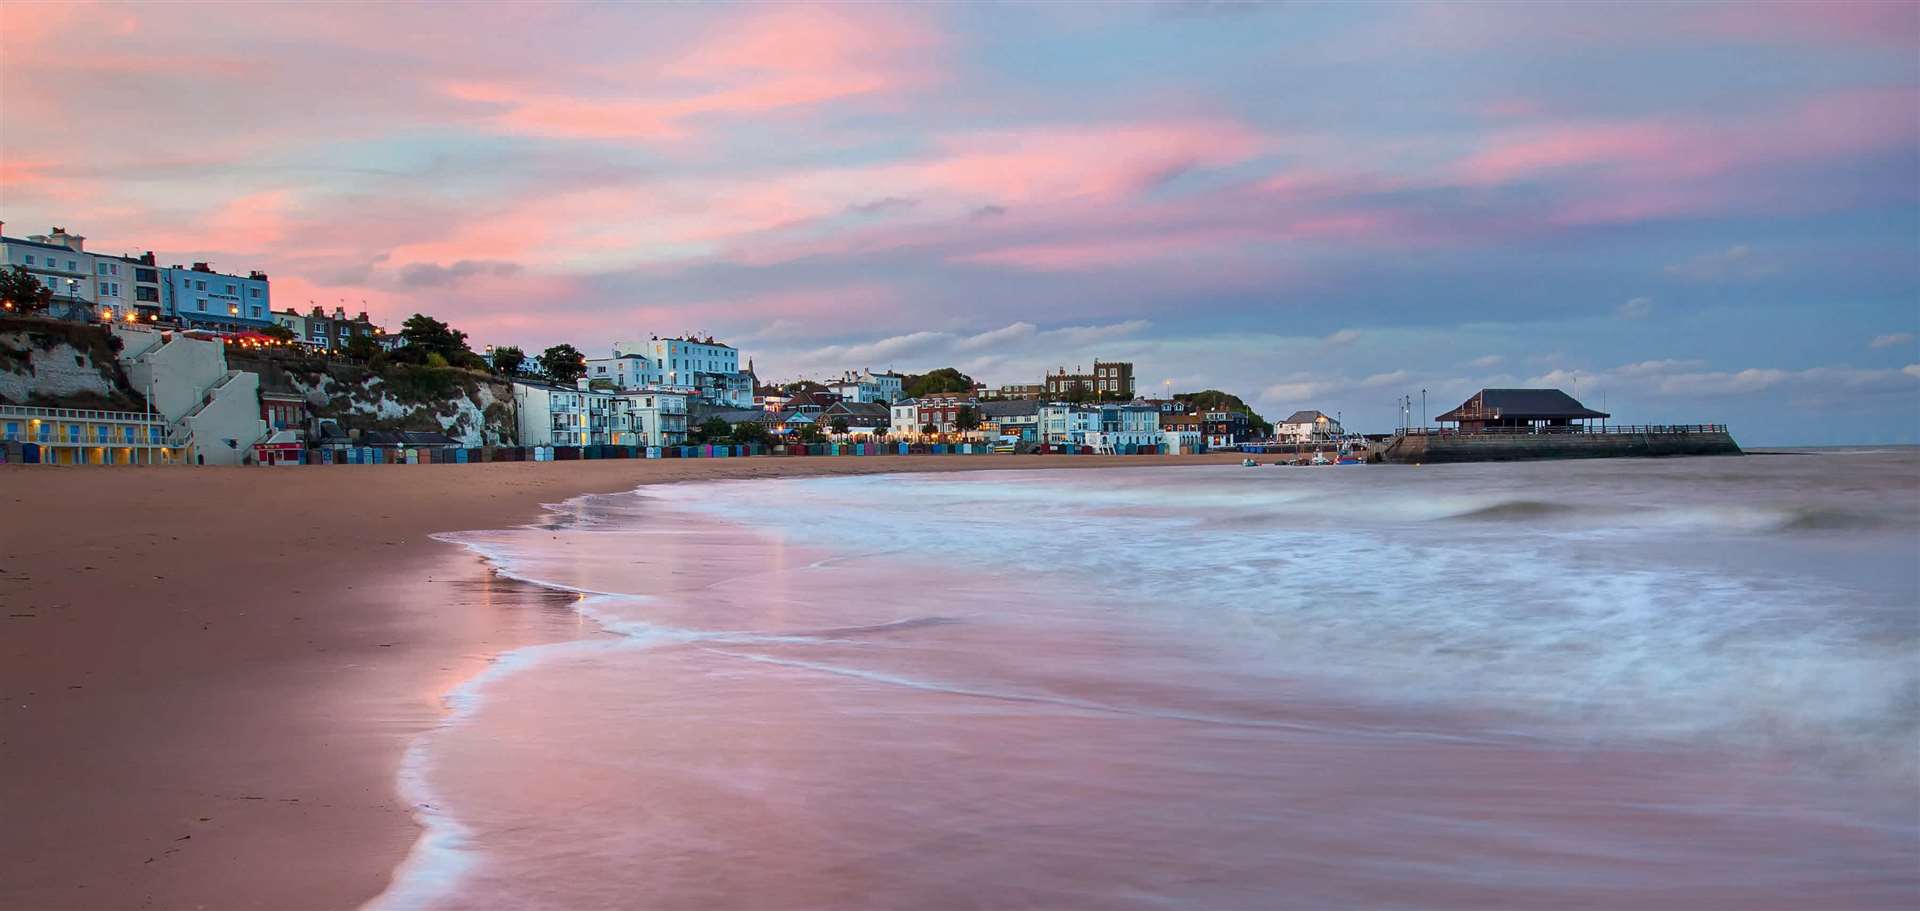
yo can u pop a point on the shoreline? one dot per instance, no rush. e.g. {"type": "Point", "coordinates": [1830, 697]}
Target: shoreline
{"type": "Point", "coordinates": [213, 671]}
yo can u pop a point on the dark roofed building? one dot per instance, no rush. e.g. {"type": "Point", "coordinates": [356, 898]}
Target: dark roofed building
{"type": "Point", "coordinates": [1512, 409]}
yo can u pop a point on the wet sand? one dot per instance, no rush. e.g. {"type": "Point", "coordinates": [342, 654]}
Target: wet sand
{"type": "Point", "coordinates": [210, 675]}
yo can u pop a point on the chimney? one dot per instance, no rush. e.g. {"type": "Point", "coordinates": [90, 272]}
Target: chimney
{"type": "Point", "coordinates": [202, 267]}
{"type": "Point", "coordinates": [73, 242]}
{"type": "Point", "coordinates": [147, 258]}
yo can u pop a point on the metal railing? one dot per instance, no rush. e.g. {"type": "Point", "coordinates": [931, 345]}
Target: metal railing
{"type": "Point", "coordinates": [79, 414]}
{"type": "Point", "coordinates": [1593, 430]}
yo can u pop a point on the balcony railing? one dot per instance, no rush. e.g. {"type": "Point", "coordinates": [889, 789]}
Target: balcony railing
{"type": "Point", "coordinates": [79, 414]}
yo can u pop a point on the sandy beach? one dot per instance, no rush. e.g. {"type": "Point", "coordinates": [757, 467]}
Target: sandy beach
{"type": "Point", "coordinates": [209, 675]}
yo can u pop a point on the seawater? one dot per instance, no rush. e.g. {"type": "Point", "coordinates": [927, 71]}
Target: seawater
{"type": "Point", "coordinates": [1573, 684]}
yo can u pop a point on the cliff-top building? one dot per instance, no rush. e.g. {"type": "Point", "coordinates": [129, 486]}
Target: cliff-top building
{"type": "Point", "coordinates": [1109, 379]}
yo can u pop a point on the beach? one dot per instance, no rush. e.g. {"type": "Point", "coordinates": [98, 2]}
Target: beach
{"type": "Point", "coordinates": [210, 676]}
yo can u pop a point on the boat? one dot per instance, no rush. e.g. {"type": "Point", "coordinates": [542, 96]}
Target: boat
{"type": "Point", "coordinates": [1248, 463]}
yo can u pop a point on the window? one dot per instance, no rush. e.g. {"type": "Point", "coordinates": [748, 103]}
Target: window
{"type": "Point", "coordinates": [234, 291]}
{"type": "Point", "coordinates": [199, 286]}
{"type": "Point", "coordinates": [102, 267]}
{"type": "Point", "coordinates": [200, 305]}
{"type": "Point", "coordinates": [153, 435]}
{"type": "Point", "coordinates": [147, 294]}
{"type": "Point", "coordinates": [129, 435]}
{"type": "Point", "coordinates": [102, 432]}
{"type": "Point", "coordinates": [13, 430]}
{"type": "Point", "coordinates": [29, 259]}
{"type": "Point", "coordinates": [73, 265]}
{"type": "Point", "coordinates": [256, 312]}
{"type": "Point", "coordinates": [253, 292]}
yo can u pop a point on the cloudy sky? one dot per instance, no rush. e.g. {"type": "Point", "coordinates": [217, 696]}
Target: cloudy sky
{"type": "Point", "coordinates": [1697, 212]}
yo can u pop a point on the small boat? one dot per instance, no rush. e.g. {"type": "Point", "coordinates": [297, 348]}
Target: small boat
{"type": "Point", "coordinates": [1248, 463]}
{"type": "Point", "coordinates": [1320, 458]}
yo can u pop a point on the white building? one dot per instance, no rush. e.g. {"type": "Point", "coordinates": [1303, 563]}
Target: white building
{"type": "Point", "coordinates": [649, 417]}
{"type": "Point", "coordinates": [705, 368]}
{"type": "Point", "coordinates": [58, 260]}
{"type": "Point", "coordinates": [561, 416]}
{"type": "Point", "coordinates": [1307, 427]}
{"type": "Point", "coordinates": [904, 418]}
{"type": "Point", "coordinates": [868, 386]}
{"type": "Point", "coordinates": [1065, 423]}
{"type": "Point", "coordinates": [625, 370]}
{"type": "Point", "coordinates": [212, 412]}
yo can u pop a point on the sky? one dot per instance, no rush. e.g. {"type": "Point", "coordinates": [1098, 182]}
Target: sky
{"type": "Point", "coordinates": [1689, 212]}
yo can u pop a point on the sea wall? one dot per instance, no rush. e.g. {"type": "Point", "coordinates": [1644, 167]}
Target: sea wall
{"type": "Point", "coordinates": [1469, 447]}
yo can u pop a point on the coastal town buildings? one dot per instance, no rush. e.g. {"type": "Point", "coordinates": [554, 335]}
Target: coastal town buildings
{"type": "Point", "coordinates": [862, 419]}
{"type": "Point", "coordinates": [706, 368]}
{"type": "Point", "coordinates": [197, 297]}
{"type": "Point", "coordinates": [1307, 427]}
{"type": "Point", "coordinates": [1062, 423]}
{"type": "Point", "coordinates": [59, 261]}
{"type": "Point", "coordinates": [549, 415]}
{"type": "Point", "coordinates": [649, 417]}
{"type": "Point", "coordinates": [868, 386]}
{"type": "Point", "coordinates": [74, 436]}
{"type": "Point", "coordinates": [1013, 419]}
{"type": "Point", "coordinates": [1109, 380]}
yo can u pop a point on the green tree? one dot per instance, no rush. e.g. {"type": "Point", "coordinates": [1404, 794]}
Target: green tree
{"type": "Point", "coordinates": [711, 430]}
{"type": "Point", "coordinates": [563, 363]}
{"type": "Point", "coordinates": [433, 336]}
{"type": "Point", "coordinates": [928, 429]}
{"type": "Point", "coordinates": [436, 359]}
{"type": "Point", "coordinates": [20, 292]}
{"type": "Point", "coordinates": [749, 432]}
{"type": "Point", "coordinates": [509, 361]}
{"type": "Point", "coordinates": [967, 418]}
{"type": "Point", "coordinates": [363, 348]}
{"type": "Point", "coordinates": [809, 433]}
{"type": "Point", "coordinates": [945, 379]}
{"type": "Point", "coordinates": [840, 425]}
{"type": "Point", "coordinates": [1078, 393]}
{"type": "Point", "coordinates": [279, 333]}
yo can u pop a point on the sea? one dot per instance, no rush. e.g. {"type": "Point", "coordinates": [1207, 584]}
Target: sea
{"type": "Point", "coordinates": [1685, 683]}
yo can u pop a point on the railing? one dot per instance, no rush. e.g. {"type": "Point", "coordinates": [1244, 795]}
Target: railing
{"type": "Point", "coordinates": [1593, 430]}
{"type": "Point", "coordinates": [80, 414]}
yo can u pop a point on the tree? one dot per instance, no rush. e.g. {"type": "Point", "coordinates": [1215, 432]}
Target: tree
{"type": "Point", "coordinates": [1078, 393]}
{"type": "Point", "coordinates": [711, 430]}
{"type": "Point", "coordinates": [362, 348]}
{"type": "Point", "coordinates": [280, 334]}
{"type": "Point", "coordinates": [967, 418]}
{"type": "Point", "coordinates": [945, 379]}
{"type": "Point", "coordinates": [433, 336]}
{"type": "Point", "coordinates": [928, 429]}
{"type": "Point", "coordinates": [809, 433]}
{"type": "Point", "coordinates": [839, 425]}
{"type": "Point", "coordinates": [20, 292]}
{"type": "Point", "coordinates": [752, 432]}
{"type": "Point", "coordinates": [509, 361]}
{"type": "Point", "coordinates": [1215, 400]}
{"type": "Point", "coordinates": [563, 363]}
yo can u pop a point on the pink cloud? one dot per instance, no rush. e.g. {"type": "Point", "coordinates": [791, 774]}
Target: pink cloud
{"type": "Point", "coordinates": [1528, 152]}
{"type": "Point", "coordinates": [767, 59]}
{"type": "Point", "coordinates": [1056, 163]}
